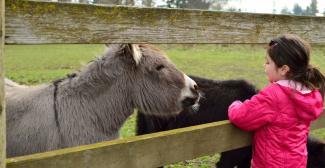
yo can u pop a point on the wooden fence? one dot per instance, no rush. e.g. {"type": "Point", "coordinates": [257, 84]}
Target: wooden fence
{"type": "Point", "coordinates": [34, 22]}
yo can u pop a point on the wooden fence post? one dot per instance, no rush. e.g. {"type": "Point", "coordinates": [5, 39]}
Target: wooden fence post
{"type": "Point", "coordinates": [2, 108]}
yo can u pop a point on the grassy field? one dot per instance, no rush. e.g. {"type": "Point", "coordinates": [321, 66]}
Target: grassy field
{"type": "Point", "coordinates": [34, 64]}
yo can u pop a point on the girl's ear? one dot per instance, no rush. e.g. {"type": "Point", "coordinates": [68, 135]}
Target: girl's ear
{"type": "Point", "coordinates": [284, 70]}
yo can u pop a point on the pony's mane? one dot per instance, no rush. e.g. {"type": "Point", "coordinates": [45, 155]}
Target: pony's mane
{"type": "Point", "coordinates": [148, 46]}
{"type": "Point", "coordinates": [76, 73]}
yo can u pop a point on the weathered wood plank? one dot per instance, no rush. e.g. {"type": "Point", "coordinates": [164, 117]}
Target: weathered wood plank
{"type": "Point", "coordinates": [29, 22]}
{"type": "Point", "coordinates": [142, 151]}
{"type": "Point", "coordinates": [145, 151]}
{"type": "Point", "coordinates": [2, 104]}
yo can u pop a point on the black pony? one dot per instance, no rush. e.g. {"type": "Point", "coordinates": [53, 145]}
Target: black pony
{"type": "Point", "coordinates": [217, 96]}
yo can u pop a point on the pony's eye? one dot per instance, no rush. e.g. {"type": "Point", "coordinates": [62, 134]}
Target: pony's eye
{"type": "Point", "coordinates": [159, 67]}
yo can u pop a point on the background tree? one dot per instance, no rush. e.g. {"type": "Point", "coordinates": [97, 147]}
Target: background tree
{"type": "Point", "coordinates": [84, 1]}
{"type": "Point", "coordinates": [176, 3]}
{"type": "Point", "coordinates": [311, 10]}
{"type": "Point", "coordinates": [148, 3]}
{"type": "Point", "coordinates": [196, 4]}
{"type": "Point", "coordinates": [115, 2]}
{"type": "Point", "coordinates": [233, 9]}
{"type": "Point", "coordinates": [307, 11]}
{"type": "Point", "coordinates": [64, 1]}
{"type": "Point", "coordinates": [286, 11]}
{"type": "Point", "coordinates": [313, 7]}
{"type": "Point", "coordinates": [218, 4]}
{"type": "Point", "coordinates": [297, 9]}
{"type": "Point", "coordinates": [110, 2]}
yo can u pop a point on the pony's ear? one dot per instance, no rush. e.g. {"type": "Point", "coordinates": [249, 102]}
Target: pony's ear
{"type": "Point", "coordinates": [134, 51]}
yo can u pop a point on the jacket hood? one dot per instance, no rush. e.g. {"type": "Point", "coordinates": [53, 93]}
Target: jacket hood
{"type": "Point", "coordinates": [309, 103]}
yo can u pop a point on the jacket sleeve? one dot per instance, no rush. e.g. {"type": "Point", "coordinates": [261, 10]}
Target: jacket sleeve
{"type": "Point", "coordinates": [254, 113]}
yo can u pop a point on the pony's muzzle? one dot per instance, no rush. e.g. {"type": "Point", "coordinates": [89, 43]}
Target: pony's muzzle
{"type": "Point", "coordinates": [194, 99]}
{"type": "Point", "coordinates": [190, 93]}
{"type": "Point", "coordinates": [188, 102]}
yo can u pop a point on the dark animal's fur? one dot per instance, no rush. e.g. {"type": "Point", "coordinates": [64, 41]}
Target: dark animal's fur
{"type": "Point", "coordinates": [217, 96]}
{"type": "Point", "coordinates": [316, 153]}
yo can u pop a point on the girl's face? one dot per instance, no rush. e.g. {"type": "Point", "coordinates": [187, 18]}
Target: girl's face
{"type": "Point", "coordinates": [273, 72]}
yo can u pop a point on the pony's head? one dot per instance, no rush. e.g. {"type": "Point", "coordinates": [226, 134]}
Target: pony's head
{"type": "Point", "coordinates": [153, 82]}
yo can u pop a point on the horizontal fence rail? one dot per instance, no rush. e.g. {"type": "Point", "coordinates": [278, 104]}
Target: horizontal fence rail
{"type": "Point", "coordinates": [150, 150]}
{"type": "Point", "coordinates": [34, 22]}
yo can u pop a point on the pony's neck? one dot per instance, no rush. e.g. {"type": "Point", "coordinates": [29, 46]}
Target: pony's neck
{"type": "Point", "coordinates": [91, 80]}
{"type": "Point", "coordinates": [100, 103]}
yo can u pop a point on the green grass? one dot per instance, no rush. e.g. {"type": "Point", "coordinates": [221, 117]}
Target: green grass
{"type": "Point", "coordinates": [34, 64]}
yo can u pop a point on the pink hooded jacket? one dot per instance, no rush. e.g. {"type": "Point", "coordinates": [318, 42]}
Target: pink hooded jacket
{"type": "Point", "coordinates": [280, 116]}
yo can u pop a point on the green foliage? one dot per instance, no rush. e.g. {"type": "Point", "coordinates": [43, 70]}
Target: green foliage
{"type": "Point", "coordinates": [319, 133]}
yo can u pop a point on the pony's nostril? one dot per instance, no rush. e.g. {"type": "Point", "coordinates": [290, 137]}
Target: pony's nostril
{"type": "Point", "coordinates": [196, 87]}
{"type": "Point", "coordinates": [189, 102]}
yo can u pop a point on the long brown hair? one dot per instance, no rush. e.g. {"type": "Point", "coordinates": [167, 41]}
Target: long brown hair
{"type": "Point", "coordinates": [294, 52]}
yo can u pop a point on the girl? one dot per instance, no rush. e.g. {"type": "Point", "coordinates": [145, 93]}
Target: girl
{"type": "Point", "coordinates": [280, 114]}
